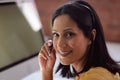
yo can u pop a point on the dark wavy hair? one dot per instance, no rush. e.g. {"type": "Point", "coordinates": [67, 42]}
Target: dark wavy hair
{"type": "Point", "coordinates": [87, 20]}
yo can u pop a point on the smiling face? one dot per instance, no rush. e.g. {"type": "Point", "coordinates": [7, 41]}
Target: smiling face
{"type": "Point", "coordinates": [69, 41]}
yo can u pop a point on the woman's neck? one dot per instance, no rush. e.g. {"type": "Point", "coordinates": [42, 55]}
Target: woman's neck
{"type": "Point", "coordinates": [78, 66]}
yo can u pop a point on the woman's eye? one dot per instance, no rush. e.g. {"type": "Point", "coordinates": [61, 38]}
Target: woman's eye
{"type": "Point", "coordinates": [69, 34]}
{"type": "Point", "coordinates": [55, 35]}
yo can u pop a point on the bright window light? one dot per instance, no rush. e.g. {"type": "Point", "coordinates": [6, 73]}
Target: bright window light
{"type": "Point", "coordinates": [29, 10]}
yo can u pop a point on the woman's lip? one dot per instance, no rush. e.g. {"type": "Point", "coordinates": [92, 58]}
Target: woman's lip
{"type": "Point", "coordinates": [64, 53]}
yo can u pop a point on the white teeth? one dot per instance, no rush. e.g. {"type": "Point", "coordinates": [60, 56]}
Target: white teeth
{"type": "Point", "coordinates": [65, 52]}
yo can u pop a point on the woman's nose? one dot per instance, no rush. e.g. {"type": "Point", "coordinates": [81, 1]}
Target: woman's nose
{"type": "Point", "coordinates": [61, 43]}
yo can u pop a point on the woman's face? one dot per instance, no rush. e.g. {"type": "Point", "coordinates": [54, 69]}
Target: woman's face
{"type": "Point", "coordinates": [68, 40]}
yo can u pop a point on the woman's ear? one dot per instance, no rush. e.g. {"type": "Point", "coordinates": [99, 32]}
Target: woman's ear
{"type": "Point", "coordinates": [94, 34]}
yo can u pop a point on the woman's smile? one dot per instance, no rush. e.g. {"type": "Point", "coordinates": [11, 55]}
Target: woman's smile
{"type": "Point", "coordinates": [64, 53]}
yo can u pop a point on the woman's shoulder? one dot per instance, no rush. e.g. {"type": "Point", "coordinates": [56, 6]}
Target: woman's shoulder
{"type": "Point", "coordinates": [98, 73]}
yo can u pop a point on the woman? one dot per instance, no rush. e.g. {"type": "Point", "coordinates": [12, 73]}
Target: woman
{"type": "Point", "coordinates": [79, 42]}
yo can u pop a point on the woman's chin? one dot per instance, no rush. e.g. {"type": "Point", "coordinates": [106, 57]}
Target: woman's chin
{"type": "Point", "coordinates": [64, 62]}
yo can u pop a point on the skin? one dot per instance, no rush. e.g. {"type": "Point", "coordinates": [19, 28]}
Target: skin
{"type": "Point", "coordinates": [69, 43]}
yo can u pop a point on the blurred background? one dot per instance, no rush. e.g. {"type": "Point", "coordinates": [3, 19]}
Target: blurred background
{"type": "Point", "coordinates": [25, 26]}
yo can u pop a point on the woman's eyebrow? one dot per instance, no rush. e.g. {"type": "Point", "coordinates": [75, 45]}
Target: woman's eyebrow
{"type": "Point", "coordinates": [68, 29]}
{"type": "Point", "coordinates": [53, 31]}
{"type": "Point", "coordinates": [64, 30]}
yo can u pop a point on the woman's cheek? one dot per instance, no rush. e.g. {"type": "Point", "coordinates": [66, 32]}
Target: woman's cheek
{"type": "Point", "coordinates": [72, 42]}
{"type": "Point", "coordinates": [54, 44]}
